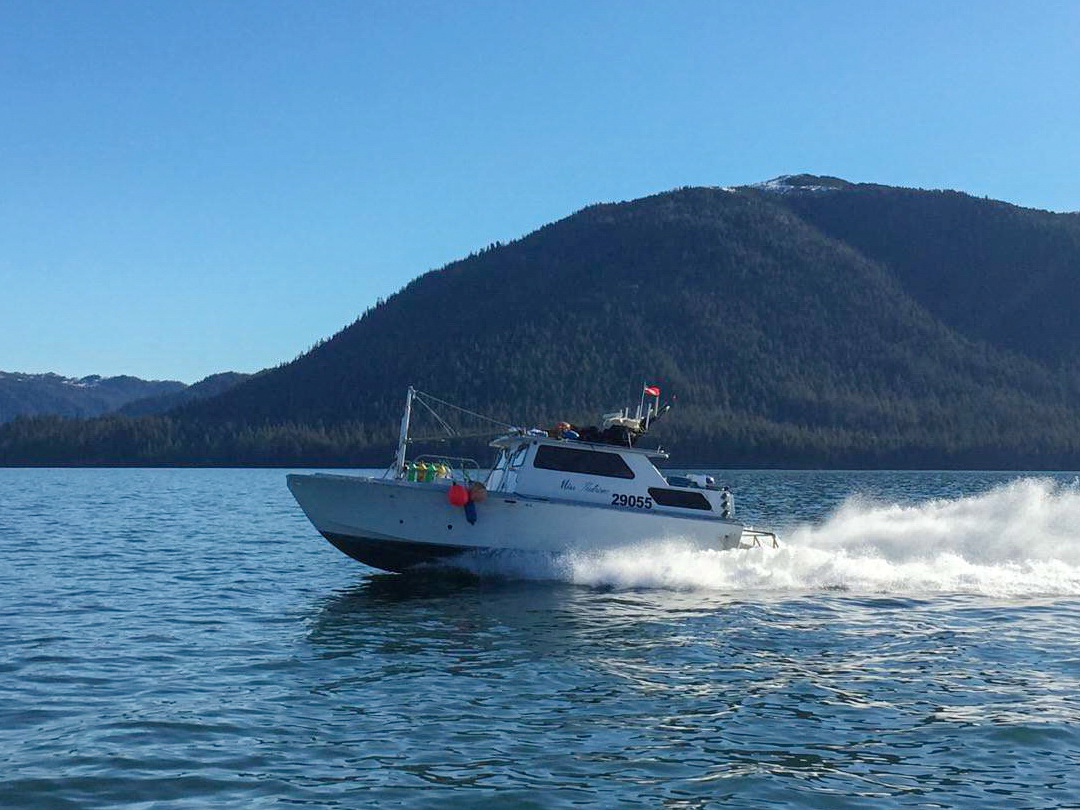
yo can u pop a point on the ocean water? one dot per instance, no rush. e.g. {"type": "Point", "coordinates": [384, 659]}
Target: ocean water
{"type": "Point", "coordinates": [185, 639]}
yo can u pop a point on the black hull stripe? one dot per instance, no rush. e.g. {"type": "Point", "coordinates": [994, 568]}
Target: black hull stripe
{"type": "Point", "coordinates": [393, 555]}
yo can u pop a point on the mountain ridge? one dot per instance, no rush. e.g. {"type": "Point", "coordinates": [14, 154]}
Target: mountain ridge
{"type": "Point", "coordinates": [205, 388]}
{"type": "Point", "coordinates": [50, 394]}
{"type": "Point", "coordinates": [23, 394]}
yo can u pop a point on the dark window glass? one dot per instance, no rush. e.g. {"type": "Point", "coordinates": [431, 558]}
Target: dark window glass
{"type": "Point", "coordinates": [674, 497]}
{"type": "Point", "coordinates": [586, 462]}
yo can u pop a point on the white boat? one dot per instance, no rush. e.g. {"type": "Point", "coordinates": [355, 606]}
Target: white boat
{"type": "Point", "coordinates": [547, 492]}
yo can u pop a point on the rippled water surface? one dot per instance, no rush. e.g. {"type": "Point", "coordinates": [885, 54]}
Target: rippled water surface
{"type": "Point", "coordinates": [184, 638]}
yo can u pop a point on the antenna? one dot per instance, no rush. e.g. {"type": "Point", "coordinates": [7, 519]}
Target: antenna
{"type": "Point", "coordinates": [403, 436]}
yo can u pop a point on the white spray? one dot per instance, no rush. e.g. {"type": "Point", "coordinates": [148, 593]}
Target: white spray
{"type": "Point", "coordinates": [1019, 539]}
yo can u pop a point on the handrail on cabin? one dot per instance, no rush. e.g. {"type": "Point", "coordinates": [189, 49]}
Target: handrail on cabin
{"type": "Point", "coordinates": [756, 536]}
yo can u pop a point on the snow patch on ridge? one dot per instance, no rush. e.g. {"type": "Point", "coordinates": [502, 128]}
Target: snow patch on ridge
{"type": "Point", "coordinates": [798, 183]}
{"type": "Point", "coordinates": [91, 381]}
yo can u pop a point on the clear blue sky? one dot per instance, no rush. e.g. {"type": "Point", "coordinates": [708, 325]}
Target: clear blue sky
{"type": "Point", "coordinates": [191, 187]}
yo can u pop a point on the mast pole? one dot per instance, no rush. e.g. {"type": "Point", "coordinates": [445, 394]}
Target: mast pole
{"type": "Point", "coordinates": [403, 436]}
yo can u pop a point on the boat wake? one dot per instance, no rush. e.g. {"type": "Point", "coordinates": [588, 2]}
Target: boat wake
{"type": "Point", "coordinates": [1019, 539]}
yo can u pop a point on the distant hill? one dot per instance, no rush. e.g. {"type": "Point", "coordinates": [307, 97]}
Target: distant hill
{"type": "Point", "coordinates": [805, 321]}
{"type": "Point", "coordinates": [83, 397]}
{"type": "Point", "coordinates": [205, 388]}
{"type": "Point", "coordinates": [29, 394]}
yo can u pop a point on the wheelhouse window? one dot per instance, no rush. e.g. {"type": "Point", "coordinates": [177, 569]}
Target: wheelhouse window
{"type": "Point", "coordinates": [675, 497]}
{"type": "Point", "coordinates": [584, 462]}
{"type": "Point", "coordinates": [517, 458]}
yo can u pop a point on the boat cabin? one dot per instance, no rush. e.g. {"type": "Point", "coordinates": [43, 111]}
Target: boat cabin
{"type": "Point", "coordinates": [602, 468]}
{"type": "Point", "coordinates": [535, 465]}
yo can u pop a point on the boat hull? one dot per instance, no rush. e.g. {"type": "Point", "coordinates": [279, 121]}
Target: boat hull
{"type": "Point", "coordinates": [393, 555]}
{"type": "Point", "coordinates": [398, 525]}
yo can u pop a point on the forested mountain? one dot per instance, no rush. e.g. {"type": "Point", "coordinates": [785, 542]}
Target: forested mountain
{"type": "Point", "coordinates": [26, 394]}
{"type": "Point", "coordinates": [992, 271]}
{"type": "Point", "coordinates": [804, 321]}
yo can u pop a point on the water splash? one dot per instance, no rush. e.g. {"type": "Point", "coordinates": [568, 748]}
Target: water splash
{"type": "Point", "coordinates": [1021, 538]}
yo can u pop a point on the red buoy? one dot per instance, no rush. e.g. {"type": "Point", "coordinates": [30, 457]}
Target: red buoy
{"type": "Point", "coordinates": [458, 495]}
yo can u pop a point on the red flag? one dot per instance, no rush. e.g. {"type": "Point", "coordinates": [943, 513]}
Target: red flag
{"type": "Point", "coordinates": [652, 390]}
